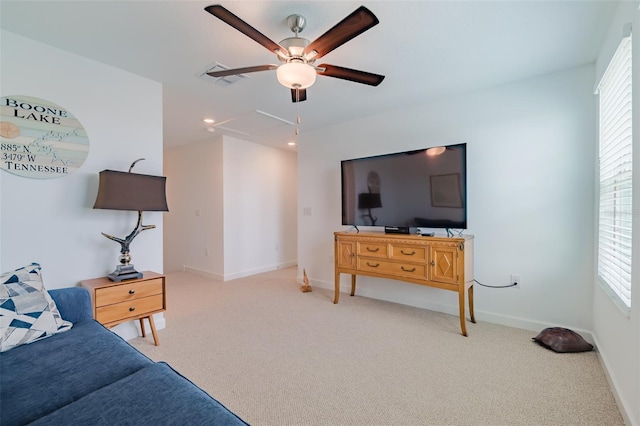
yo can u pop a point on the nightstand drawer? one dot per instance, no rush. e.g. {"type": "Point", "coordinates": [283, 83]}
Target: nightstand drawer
{"type": "Point", "coordinates": [136, 299]}
{"type": "Point", "coordinates": [130, 309]}
{"type": "Point", "coordinates": [126, 292]}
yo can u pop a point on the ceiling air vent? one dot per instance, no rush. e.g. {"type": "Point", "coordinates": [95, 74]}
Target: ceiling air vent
{"type": "Point", "coordinates": [221, 81]}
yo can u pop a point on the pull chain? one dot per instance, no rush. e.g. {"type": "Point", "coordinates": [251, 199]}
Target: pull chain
{"type": "Point", "coordinates": [297, 132]}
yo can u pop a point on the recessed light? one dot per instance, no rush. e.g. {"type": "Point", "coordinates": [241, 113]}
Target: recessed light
{"type": "Point", "coordinates": [209, 120]}
{"type": "Point", "coordinates": [291, 143]}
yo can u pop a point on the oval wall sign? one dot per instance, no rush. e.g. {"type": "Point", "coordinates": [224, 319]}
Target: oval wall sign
{"type": "Point", "coordinates": [39, 139]}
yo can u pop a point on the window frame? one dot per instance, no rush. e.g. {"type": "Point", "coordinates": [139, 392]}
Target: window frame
{"type": "Point", "coordinates": [615, 177]}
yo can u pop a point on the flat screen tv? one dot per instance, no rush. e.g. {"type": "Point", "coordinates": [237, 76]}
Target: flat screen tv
{"type": "Point", "coordinates": [425, 188]}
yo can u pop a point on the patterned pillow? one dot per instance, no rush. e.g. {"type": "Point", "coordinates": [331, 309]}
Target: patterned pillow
{"type": "Point", "coordinates": [27, 311]}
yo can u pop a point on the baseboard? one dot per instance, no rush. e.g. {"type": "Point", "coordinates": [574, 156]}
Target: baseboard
{"type": "Point", "coordinates": [241, 274]}
{"type": "Point", "coordinates": [527, 324]}
{"type": "Point", "coordinates": [621, 402]}
{"type": "Point", "coordinates": [202, 273]}
{"type": "Point", "coordinates": [268, 268]}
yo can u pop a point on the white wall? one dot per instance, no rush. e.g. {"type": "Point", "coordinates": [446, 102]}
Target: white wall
{"type": "Point", "coordinates": [246, 196]}
{"type": "Point", "coordinates": [194, 235]}
{"type": "Point", "coordinates": [51, 221]}
{"type": "Point", "coordinates": [617, 333]}
{"type": "Point", "coordinates": [530, 157]}
{"type": "Point", "coordinates": [260, 199]}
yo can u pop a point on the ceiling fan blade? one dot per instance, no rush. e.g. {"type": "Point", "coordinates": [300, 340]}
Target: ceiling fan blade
{"type": "Point", "coordinates": [352, 26]}
{"type": "Point", "coordinates": [245, 70]}
{"type": "Point", "coordinates": [349, 74]}
{"type": "Point", "coordinates": [298, 95]}
{"type": "Point", "coordinates": [229, 18]}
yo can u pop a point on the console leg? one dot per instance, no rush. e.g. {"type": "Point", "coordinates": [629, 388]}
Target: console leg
{"type": "Point", "coordinates": [463, 326]}
{"type": "Point", "coordinates": [353, 284]}
{"type": "Point", "coordinates": [473, 318]}
{"type": "Point", "coordinates": [336, 296]}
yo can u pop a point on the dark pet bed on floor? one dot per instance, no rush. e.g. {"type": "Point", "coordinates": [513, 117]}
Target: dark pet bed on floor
{"type": "Point", "coordinates": [562, 340]}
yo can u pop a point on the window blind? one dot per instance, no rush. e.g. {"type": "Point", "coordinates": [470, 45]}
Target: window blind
{"type": "Point", "coordinates": [615, 160]}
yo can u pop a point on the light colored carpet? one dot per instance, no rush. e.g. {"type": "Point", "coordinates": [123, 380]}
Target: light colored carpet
{"type": "Point", "coordinates": [277, 356]}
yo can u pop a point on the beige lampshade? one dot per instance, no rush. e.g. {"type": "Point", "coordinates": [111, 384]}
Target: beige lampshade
{"type": "Point", "coordinates": [131, 191]}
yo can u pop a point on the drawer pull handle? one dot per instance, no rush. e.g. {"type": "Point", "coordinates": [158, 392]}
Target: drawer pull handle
{"type": "Point", "coordinates": [373, 251]}
{"type": "Point", "coordinates": [131, 309]}
{"type": "Point", "coordinates": [408, 270]}
{"type": "Point", "coordinates": [408, 254]}
{"type": "Point", "coordinates": [132, 291]}
{"type": "Point", "coordinates": [373, 266]}
{"type": "Point", "coordinates": [433, 263]}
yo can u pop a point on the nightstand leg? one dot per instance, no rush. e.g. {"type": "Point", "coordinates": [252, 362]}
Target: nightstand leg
{"type": "Point", "coordinates": [153, 330]}
{"type": "Point", "coordinates": [144, 333]}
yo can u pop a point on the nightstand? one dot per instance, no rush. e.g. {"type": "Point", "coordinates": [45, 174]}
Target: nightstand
{"type": "Point", "coordinates": [118, 302]}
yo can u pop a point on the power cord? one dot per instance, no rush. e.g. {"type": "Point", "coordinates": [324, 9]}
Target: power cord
{"type": "Point", "coordinates": [495, 286]}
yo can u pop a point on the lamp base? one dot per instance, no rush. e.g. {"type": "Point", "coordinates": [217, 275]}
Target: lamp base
{"type": "Point", "coordinates": [124, 272]}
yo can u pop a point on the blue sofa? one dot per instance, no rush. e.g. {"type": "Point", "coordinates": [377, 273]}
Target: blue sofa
{"type": "Point", "coordinates": [90, 376]}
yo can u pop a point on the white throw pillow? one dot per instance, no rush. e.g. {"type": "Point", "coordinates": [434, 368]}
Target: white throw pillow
{"type": "Point", "coordinates": [27, 311]}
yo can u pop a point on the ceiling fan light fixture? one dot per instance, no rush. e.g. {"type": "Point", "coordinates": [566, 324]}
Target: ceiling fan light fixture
{"type": "Point", "coordinates": [296, 75]}
{"type": "Point", "coordinates": [298, 54]}
{"type": "Point", "coordinates": [295, 46]}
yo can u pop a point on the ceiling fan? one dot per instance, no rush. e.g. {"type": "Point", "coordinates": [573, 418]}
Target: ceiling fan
{"type": "Point", "coordinates": [297, 54]}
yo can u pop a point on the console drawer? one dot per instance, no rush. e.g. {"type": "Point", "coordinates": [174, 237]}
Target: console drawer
{"type": "Point", "coordinates": [399, 269]}
{"type": "Point", "coordinates": [373, 249]}
{"type": "Point", "coordinates": [412, 253]}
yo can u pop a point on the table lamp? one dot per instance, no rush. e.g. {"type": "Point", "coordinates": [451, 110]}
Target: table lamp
{"type": "Point", "coordinates": [133, 192]}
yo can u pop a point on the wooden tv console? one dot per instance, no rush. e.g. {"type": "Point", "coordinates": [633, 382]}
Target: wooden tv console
{"type": "Point", "coordinates": [440, 262]}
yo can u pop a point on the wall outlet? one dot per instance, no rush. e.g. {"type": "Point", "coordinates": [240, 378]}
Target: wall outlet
{"type": "Point", "coordinates": [515, 281]}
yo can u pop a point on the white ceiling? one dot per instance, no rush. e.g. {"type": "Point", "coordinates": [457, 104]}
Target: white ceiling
{"type": "Point", "coordinates": [426, 49]}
